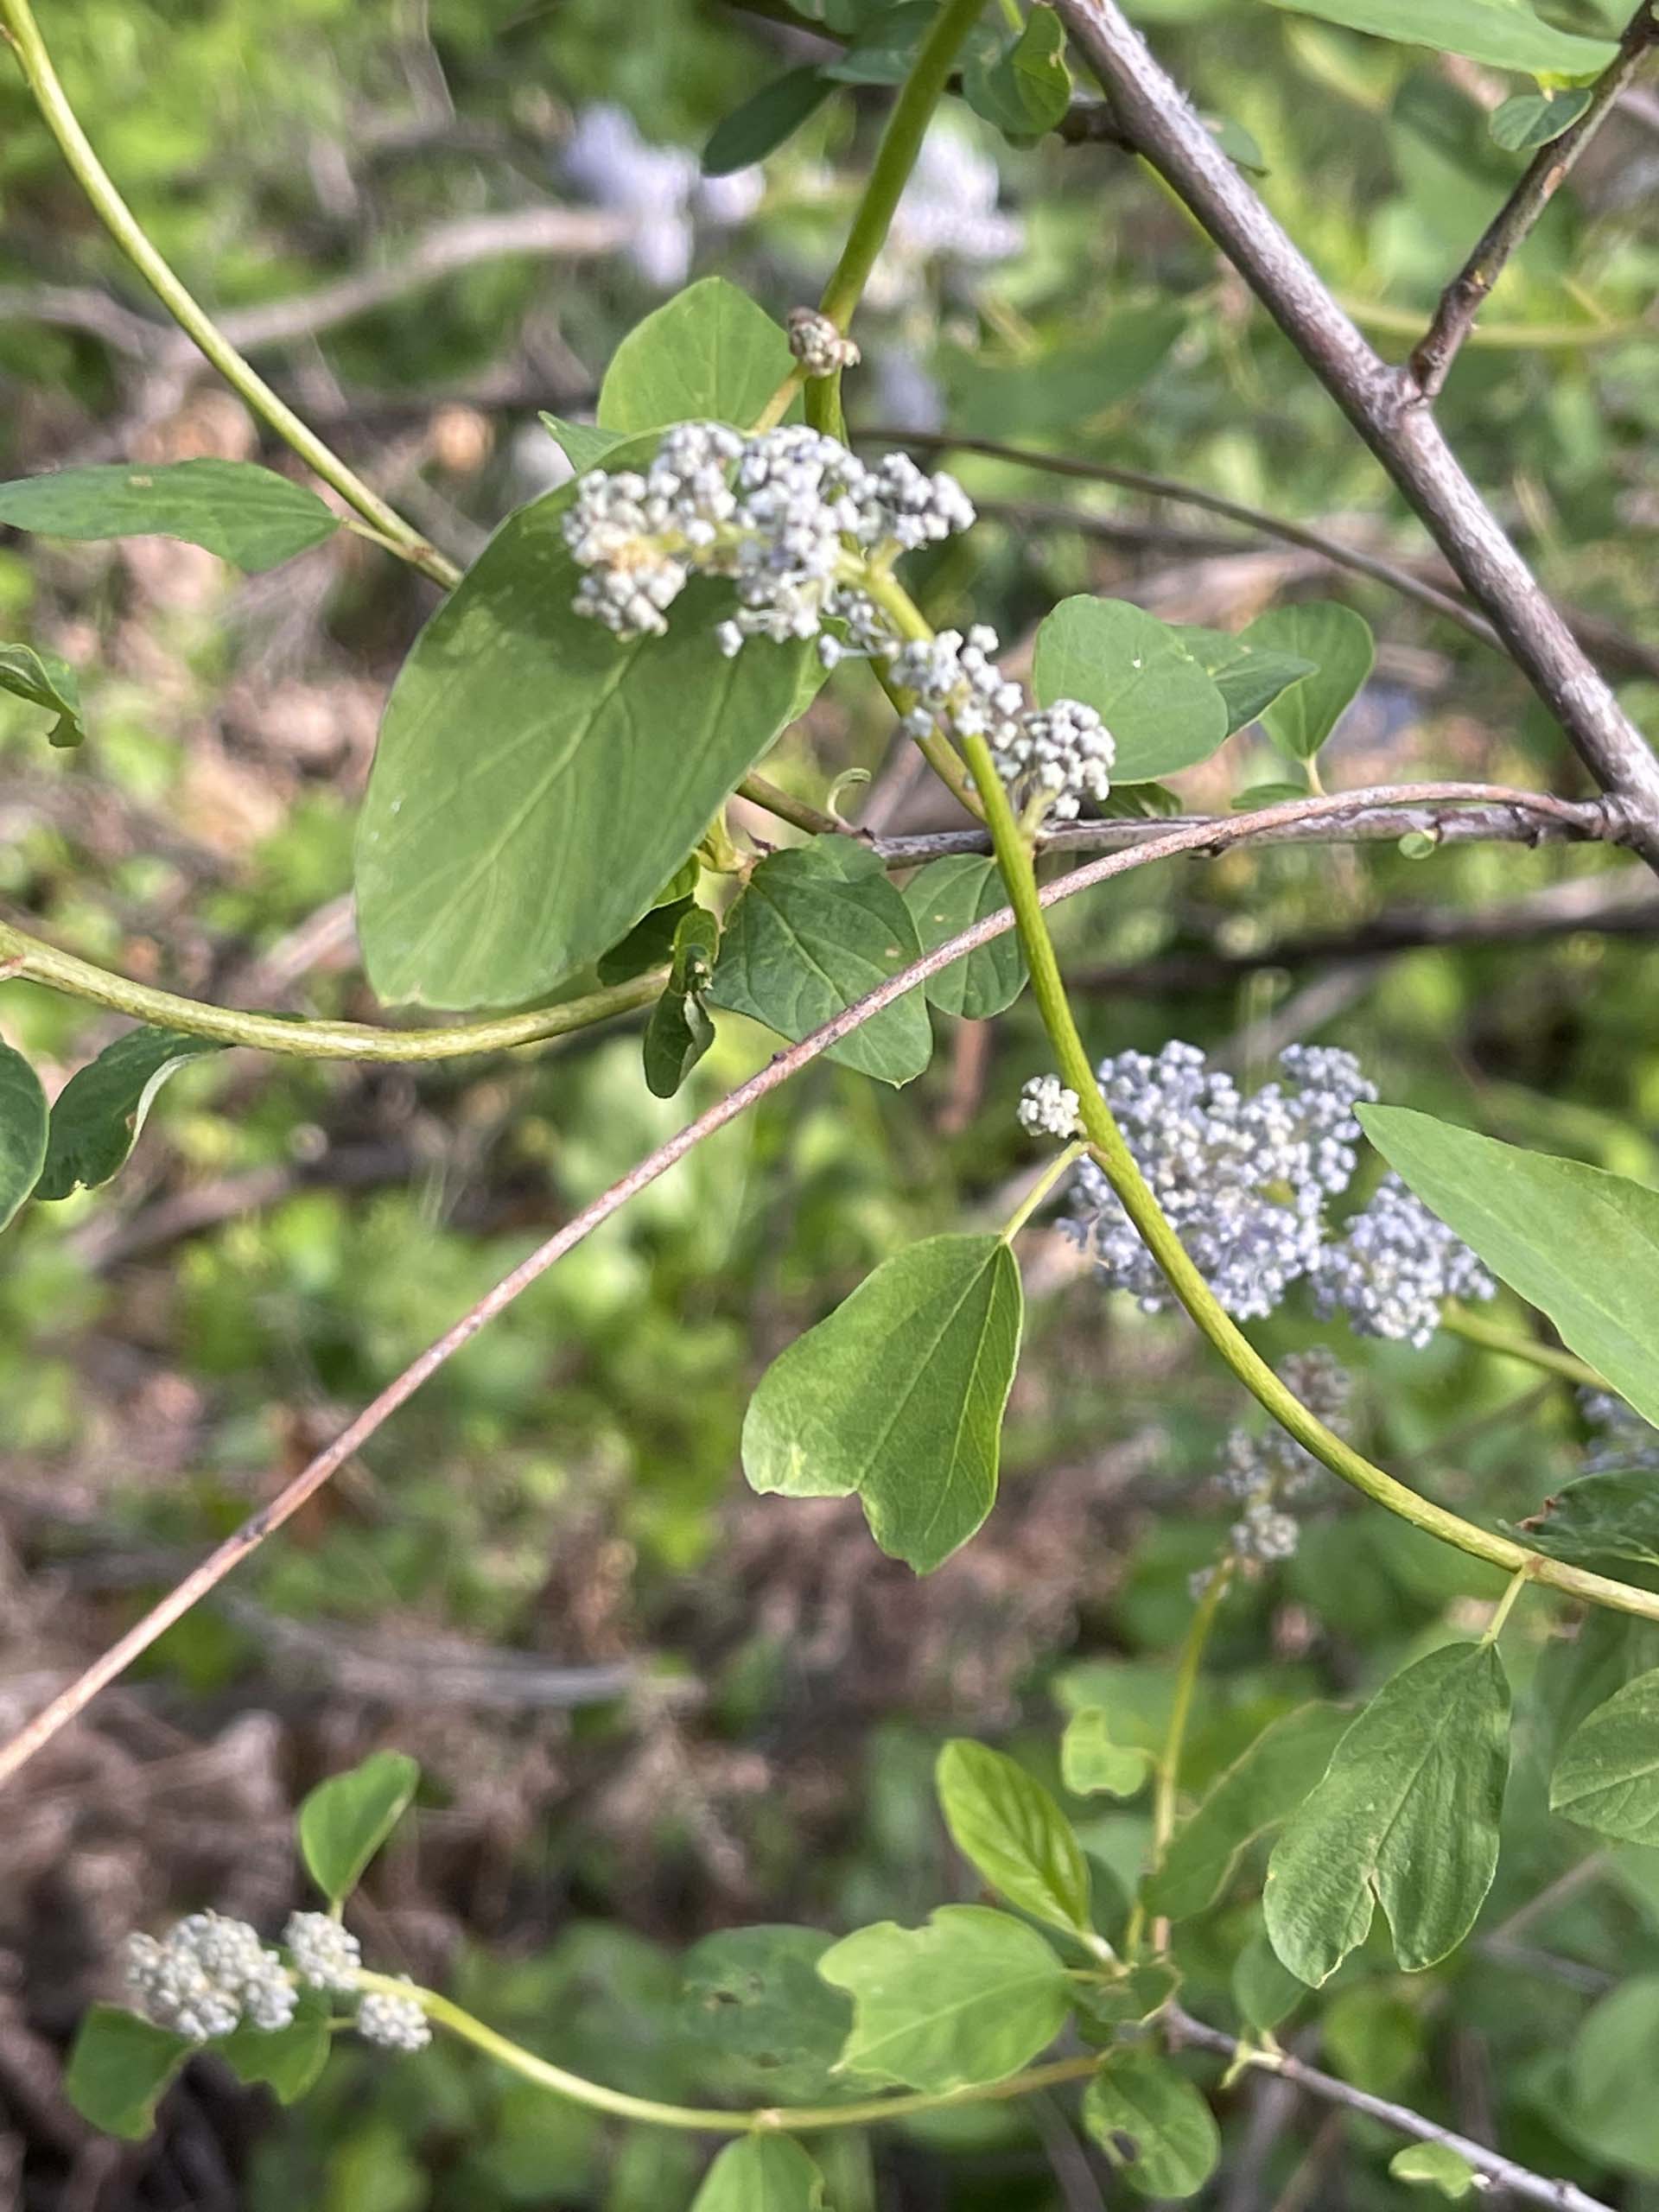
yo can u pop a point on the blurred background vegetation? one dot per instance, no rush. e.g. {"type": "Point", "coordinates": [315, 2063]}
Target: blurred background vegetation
{"type": "Point", "coordinates": [649, 1704]}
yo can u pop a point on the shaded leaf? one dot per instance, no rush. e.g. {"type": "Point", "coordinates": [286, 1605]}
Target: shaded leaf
{"type": "Point", "coordinates": [818, 927]}
{"type": "Point", "coordinates": [584, 445]}
{"type": "Point", "coordinates": [289, 2060]}
{"type": "Point", "coordinates": [1249, 678]}
{"type": "Point", "coordinates": [100, 1114]}
{"type": "Point", "coordinates": [752, 1999]}
{"type": "Point", "coordinates": [1406, 1816]}
{"type": "Point", "coordinates": [1090, 1761]}
{"type": "Point", "coordinates": [947, 897]}
{"type": "Point", "coordinates": [766, 120]}
{"type": "Point", "coordinates": [1532, 119]}
{"type": "Point", "coordinates": [1021, 84]}
{"type": "Point", "coordinates": [968, 1999]}
{"type": "Point", "coordinates": [1153, 2126]}
{"type": "Point", "coordinates": [1599, 1521]}
{"type": "Point", "coordinates": [1008, 1827]}
{"type": "Point", "coordinates": [343, 1821]}
{"type": "Point", "coordinates": [118, 2069]}
{"type": "Point", "coordinates": [45, 681]}
{"type": "Point", "coordinates": [1615, 2060]}
{"type": "Point", "coordinates": [1339, 644]}
{"type": "Point", "coordinates": [1577, 1242]}
{"type": "Point", "coordinates": [709, 355]}
{"type": "Point", "coordinates": [649, 943]}
{"type": "Point", "coordinates": [1497, 32]}
{"type": "Point", "coordinates": [882, 53]}
{"type": "Point", "coordinates": [761, 2173]}
{"type": "Point", "coordinates": [1162, 711]}
{"type": "Point", "coordinates": [899, 1396]}
{"type": "Point", "coordinates": [1265, 1991]}
{"type": "Point", "coordinates": [236, 509]}
{"type": "Point", "coordinates": [1263, 1786]}
{"type": "Point", "coordinates": [1105, 2008]}
{"type": "Point", "coordinates": [1607, 1777]}
{"type": "Point", "coordinates": [1052, 394]}
{"type": "Point", "coordinates": [488, 869]}
{"type": "Point", "coordinates": [23, 1126]}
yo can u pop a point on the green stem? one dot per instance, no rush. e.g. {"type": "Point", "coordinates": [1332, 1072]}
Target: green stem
{"type": "Point", "coordinates": [709, 2120]}
{"type": "Point", "coordinates": [895, 157]}
{"type": "Point", "coordinates": [1167, 1793]}
{"type": "Point", "coordinates": [1505, 1605]}
{"type": "Point", "coordinates": [27, 958]}
{"type": "Point", "coordinates": [18, 24]}
{"type": "Point", "coordinates": [1493, 1336]}
{"type": "Point", "coordinates": [1057, 1168]}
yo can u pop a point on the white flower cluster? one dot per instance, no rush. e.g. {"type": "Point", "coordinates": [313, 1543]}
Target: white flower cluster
{"type": "Point", "coordinates": [1394, 1267]}
{"type": "Point", "coordinates": [1626, 1443]}
{"type": "Point", "coordinates": [1244, 1178]}
{"type": "Point", "coordinates": [1268, 1472]}
{"type": "Point", "coordinates": [209, 1975]}
{"type": "Point", "coordinates": [820, 348]}
{"type": "Point", "coordinates": [324, 1953]}
{"type": "Point", "coordinates": [947, 214]}
{"type": "Point", "coordinates": [659, 188]}
{"type": "Point", "coordinates": [1047, 1108]}
{"type": "Point", "coordinates": [794, 521]}
{"type": "Point", "coordinates": [397, 2022]}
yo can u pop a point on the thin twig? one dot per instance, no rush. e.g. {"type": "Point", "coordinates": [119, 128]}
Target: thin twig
{"type": "Point", "coordinates": [1240, 829]}
{"type": "Point", "coordinates": [1382, 403]}
{"type": "Point", "coordinates": [1464, 296]}
{"type": "Point", "coordinates": [1501, 2172]}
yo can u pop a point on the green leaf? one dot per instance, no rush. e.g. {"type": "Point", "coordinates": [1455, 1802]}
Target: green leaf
{"type": "Point", "coordinates": [1159, 706]}
{"type": "Point", "coordinates": [1054, 394]}
{"type": "Point", "coordinates": [584, 445]}
{"type": "Point", "coordinates": [1153, 2126]}
{"type": "Point", "coordinates": [1577, 1242]}
{"type": "Point", "coordinates": [709, 355]}
{"type": "Point", "coordinates": [1261, 1787]}
{"type": "Point", "coordinates": [1267, 795]}
{"type": "Point", "coordinates": [1406, 1814]}
{"type": "Point", "coordinates": [244, 513]}
{"type": "Point", "coordinates": [23, 1126]}
{"type": "Point", "coordinates": [344, 1821]}
{"type": "Point", "coordinates": [1249, 678]}
{"type": "Point", "coordinates": [1434, 2166]}
{"type": "Point", "coordinates": [1607, 1777]}
{"type": "Point", "coordinates": [1339, 644]}
{"type": "Point", "coordinates": [1090, 1761]}
{"type": "Point", "coordinates": [766, 120]}
{"type": "Point", "coordinates": [899, 1396]}
{"type": "Point", "coordinates": [45, 681]}
{"type": "Point", "coordinates": [1599, 1521]}
{"type": "Point", "coordinates": [1373, 2037]}
{"type": "Point", "coordinates": [1497, 32]}
{"type": "Point", "coordinates": [1104, 2008]}
{"type": "Point", "coordinates": [753, 2001]}
{"type": "Point", "coordinates": [100, 1113]}
{"type": "Point", "coordinates": [676, 1036]}
{"type": "Point", "coordinates": [649, 943]}
{"type": "Point", "coordinates": [883, 54]}
{"type": "Point", "coordinates": [1265, 1991]}
{"type": "Point", "coordinates": [118, 2069]}
{"type": "Point", "coordinates": [1614, 2063]}
{"type": "Point", "coordinates": [288, 2059]}
{"type": "Point", "coordinates": [818, 927]}
{"type": "Point", "coordinates": [537, 780]}
{"type": "Point", "coordinates": [947, 897]}
{"type": "Point", "coordinates": [1527, 120]}
{"type": "Point", "coordinates": [1021, 84]}
{"type": "Point", "coordinates": [1008, 1827]}
{"type": "Point", "coordinates": [968, 1999]}
{"type": "Point", "coordinates": [761, 2173]}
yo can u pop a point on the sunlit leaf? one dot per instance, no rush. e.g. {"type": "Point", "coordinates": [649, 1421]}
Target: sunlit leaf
{"type": "Point", "coordinates": [234, 508]}
{"type": "Point", "coordinates": [1008, 1827]}
{"type": "Point", "coordinates": [343, 1821]}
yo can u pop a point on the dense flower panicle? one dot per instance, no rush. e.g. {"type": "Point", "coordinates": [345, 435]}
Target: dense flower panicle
{"type": "Point", "coordinates": [1244, 1178]}
{"type": "Point", "coordinates": [1047, 1108]}
{"type": "Point", "coordinates": [397, 2022]}
{"type": "Point", "coordinates": [1395, 1265]}
{"type": "Point", "coordinates": [1057, 757]}
{"type": "Point", "coordinates": [1269, 1471]}
{"type": "Point", "coordinates": [324, 1953]}
{"type": "Point", "coordinates": [661, 187]}
{"type": "Point", "coordinates": [207, 1976]}
{"type": "Point", "coordinates": [1626, 1442]}
{"type": "Point", "coordinates": [1051, 757]}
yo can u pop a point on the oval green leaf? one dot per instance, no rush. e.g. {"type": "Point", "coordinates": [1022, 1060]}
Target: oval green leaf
{"type": "Point", "coordinates": [537, 781]}
{"type": "Point", "coordinates": [761, 2173]}
{"type": "Point", "coordinates": [100, 1114]}
{"type": "Point", "coordinates": [899, 1396]}
{"type": "Point", "coordinates": [343, 1821]}
{"type": "Point", "coordinates": [1607, 1777]}
{"type": "Point", "coordinates": [1533, 119]}
{"type": "Point", "coordinates": [1249, 678]}
{"type": "Point", "coordinates": [947, 897]}
{"type": "Point", "coordinates": [1437, 2166]}
{"type": "Point", "coordinates": [1497, 32]}
{"type": "Point", "coordinates": [1406, 1816]}
{"type": "Point", "coordinates": [118, 2069]}
{"type": "Point", "coordinates": [968, 1999]}
{"type": "Point", "coordinates": [234, 508]}
{"type": "Point", "coordinates": [1614, 2062]}
{"type": "Point", "coordinates": [287, 2060]}
{"type": "Point", "coordinates": [1339, 644]}
{"type": "Point", "coordinates": [709, 355]}
{"type": "Point", "coordinates": [46, 682]}
{"type": "Point", "coordinates": [1599, 1521]}
{"type": "Point", "coordinates": [1579, 1243]}
{"type": "Point", "coordinates": [23, 1125]}
{"type": "Point", "coordinates": [1157, 2130]}
{"type": "Point", "coordinates": [1008, 1827]}
{"type": "Point", "coordinates": [755, 2008]}
{"type": "Point", "coordinates": [1163, 710]}
{"type": "Point", "coordinates": [818, 927]}
{"type": "Point", "coordinates": [766, 120]}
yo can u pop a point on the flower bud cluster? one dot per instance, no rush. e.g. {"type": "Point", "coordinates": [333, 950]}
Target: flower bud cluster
{"type": "Point", "coordinates": [324, 1953]}
{"type": "Point", "coordinates": [207, 1976]}
{"type": "Point", "coordinates": [396, 2023]}
{"type": "Point", "coordinates": [1047, 1108]}
{"type": "Point", "coordinates": [1269, 1471]}
{"type": "Point", "coordinates": [1394, 1267]}
{"type": "Point", "coordinates": [1055, 758]}
{"type": "Point", "coordinates": [1051, 757]}
{"type": "Point", "coordinates": [821, 349]}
